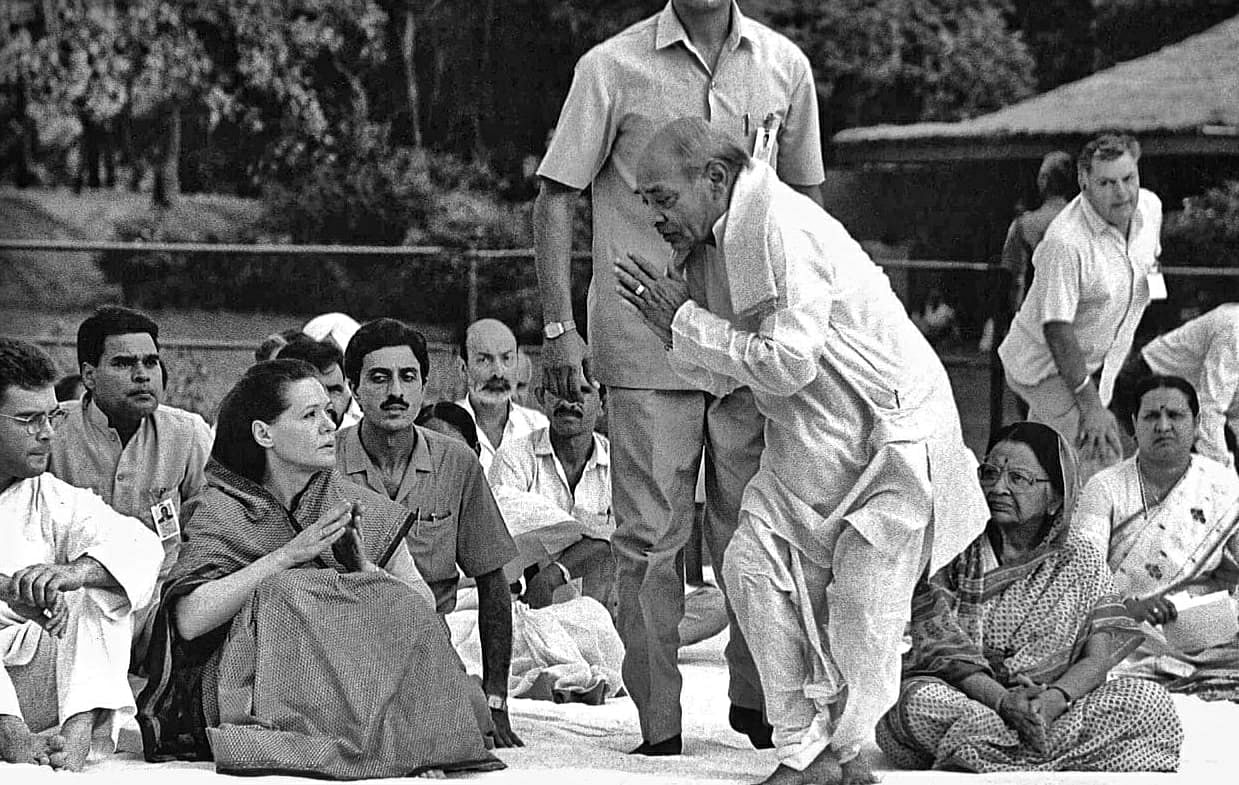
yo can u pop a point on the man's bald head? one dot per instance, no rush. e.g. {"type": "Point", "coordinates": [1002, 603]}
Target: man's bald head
{"type": "Point", "coordinates": [686, 145]}
{"type": "Point", "coordinates": [488, 355]}
{"type": "Point", "coordinates": [685, 175]}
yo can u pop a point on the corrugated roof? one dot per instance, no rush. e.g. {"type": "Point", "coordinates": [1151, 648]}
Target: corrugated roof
{"type": "Point", "coordinates": [1182, 87]}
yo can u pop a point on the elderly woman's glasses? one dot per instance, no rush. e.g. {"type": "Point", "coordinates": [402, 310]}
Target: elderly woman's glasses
{"type": "Point", "coordinates": [35, 422]}
{"type": "Point", "coordinates": [989, 474]}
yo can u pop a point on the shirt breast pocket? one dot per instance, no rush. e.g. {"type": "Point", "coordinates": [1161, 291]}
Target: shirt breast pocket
{"type": "Point", "coordinates": [432, 541]}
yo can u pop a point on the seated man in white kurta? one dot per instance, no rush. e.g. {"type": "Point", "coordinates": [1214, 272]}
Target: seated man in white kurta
{"type": "Point", "coordinates": [72, 570]}
{"type": "Point", "coordinates": [841, 517]}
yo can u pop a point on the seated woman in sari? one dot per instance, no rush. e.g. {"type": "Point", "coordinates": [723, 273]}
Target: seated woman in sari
{"type": "Point", "coordinates": [1013, 640]}
{"type": "Point", "coordinates": [1168, 518]}
{"type": "Point", "coordinates": [295, 634]}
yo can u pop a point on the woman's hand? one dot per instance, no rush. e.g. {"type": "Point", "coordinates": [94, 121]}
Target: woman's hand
{"type": "Point", "coordinates": [1154, 610]}
{"type": "Point", "coordinates": [350, 549]}
{"type": "Point", "coordinates": [1017, 711]}
{"type": "Point", "coordinates": [316, 538]}
{"type": "Point", "coordinates": [1050, 704]}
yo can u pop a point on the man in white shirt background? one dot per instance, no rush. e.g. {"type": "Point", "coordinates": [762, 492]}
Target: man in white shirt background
{"type": "Point", "coordinates": [488, 361]}
{"type": "Point", "coordinates": [569, 465]}
{"type": "Point", "coordinates": [1096, 272]}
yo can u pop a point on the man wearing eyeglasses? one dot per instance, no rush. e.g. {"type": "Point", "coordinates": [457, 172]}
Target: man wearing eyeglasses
{"type": "Point", "coordinates": [71, 572]}
{"type": "Point", "coordinates": [143, 458]}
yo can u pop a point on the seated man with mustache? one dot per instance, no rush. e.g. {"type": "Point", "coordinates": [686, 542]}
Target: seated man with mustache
{"type": "Point", "coordinates": [570, 466]}
{"type": "Point", "coordinates": [489, 362]}
{"type": "Point", "coordinates": [438, 478]}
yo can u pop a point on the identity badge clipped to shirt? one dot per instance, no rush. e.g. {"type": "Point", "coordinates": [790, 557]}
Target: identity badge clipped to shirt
{"type": "Point", "coordinates": [167, 520]}
{"type": "Point", "coordinates": [1157, 284]}
{"type": "Point", "coordinates": [767, 135]}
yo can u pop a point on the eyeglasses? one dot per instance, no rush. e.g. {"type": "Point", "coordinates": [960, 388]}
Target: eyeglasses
{"type": "Point", "coordinates": [35, 422]}
{"type": "Point", "coordinates": [989, 474]}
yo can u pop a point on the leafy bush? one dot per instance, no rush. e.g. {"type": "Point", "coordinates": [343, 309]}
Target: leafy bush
{"type": "Point", "coordinates": [1205, 233]}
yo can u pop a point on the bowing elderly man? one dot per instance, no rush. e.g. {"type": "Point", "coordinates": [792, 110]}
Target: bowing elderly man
{"type": "Point", "coordinates": [842, 517]}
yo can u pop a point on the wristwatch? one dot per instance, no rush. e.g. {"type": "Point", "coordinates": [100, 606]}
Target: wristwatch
{"type": "Point", "coordinates": [552, 330]}
{"type": "Point", "coordinates": [497, 703]}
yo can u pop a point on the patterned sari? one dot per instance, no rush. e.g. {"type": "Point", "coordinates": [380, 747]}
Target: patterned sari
{"type": "Point", "coordinates": [323, 672]}
{"type": "Point", "coordinates": [1031, 618]}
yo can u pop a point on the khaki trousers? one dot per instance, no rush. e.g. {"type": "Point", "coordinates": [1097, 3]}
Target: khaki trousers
{"type": "Point", "coordinates": [657, 437]}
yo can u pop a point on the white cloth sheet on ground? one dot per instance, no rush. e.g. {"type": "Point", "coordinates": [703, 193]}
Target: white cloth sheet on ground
{"type": "Point", "coordinates": [570, 743]}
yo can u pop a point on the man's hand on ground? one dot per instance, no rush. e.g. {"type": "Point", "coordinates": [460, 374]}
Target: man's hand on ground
{"type": "Point", "coordinates": [566, 366]}
{"type": "Point", "coordinates": [504, 735]}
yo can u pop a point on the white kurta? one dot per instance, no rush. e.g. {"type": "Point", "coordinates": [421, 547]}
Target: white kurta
{"type": "Point", "coordinates": [861, 430]}
{"type": "Point", "coordinates": [44, 520]}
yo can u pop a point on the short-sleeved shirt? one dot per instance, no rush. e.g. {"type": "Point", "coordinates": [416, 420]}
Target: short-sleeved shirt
{"type": "Point", "coordinates": [530, 464]}
{"type": "Point", "coordinates": [164, 460]}
{"type": "Point", "coordinates": [522, 421]}
{"type": "Point", "coordinates": [458, 522]}
{"type": "Point", "coordinates": [1205, 351]}
{"type": "Point", "coordinates": [623, 90]}
{"type": "Point", "coordinates": [1091, 276]}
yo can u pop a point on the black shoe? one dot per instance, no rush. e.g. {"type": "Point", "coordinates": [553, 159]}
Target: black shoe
{"type": "Point", "coordinates": [669, 746]}
{"type": "Point", "coordinates": [751, 724]}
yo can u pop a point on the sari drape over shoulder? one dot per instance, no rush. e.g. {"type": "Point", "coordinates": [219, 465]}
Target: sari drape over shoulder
{"type": "Point", "coordinates": [323, 672]}
{"type": "Point", "coordinates": [1029, 619]}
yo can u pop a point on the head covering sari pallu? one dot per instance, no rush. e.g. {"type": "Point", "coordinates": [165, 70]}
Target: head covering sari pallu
{"type": "Point", "coordinates": [323, 672]}
{"type": "Point", "coordinates": [1032, 617]}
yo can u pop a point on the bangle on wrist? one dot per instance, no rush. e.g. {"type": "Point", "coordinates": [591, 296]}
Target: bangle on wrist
{"type": "Point", "coordinates": [1066, 695]}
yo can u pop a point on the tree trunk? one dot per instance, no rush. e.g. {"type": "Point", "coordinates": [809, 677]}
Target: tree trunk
{"type": "Point", "coordinates": [167, 177]}
{"type": "Point", "coordinates": [408, 51]}
{"type": "Point", "coordinates": [485, 93]}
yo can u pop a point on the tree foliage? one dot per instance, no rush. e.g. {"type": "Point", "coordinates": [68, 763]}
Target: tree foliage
{"type": "Point", "coordinates": [901, 61]}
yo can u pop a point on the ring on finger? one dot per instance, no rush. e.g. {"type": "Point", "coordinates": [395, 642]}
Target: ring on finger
{"type": "Point", "coordinates": [640, 290]}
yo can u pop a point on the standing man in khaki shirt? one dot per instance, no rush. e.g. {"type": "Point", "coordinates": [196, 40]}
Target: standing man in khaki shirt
{"type": "Point", "coordinates": [701, 58]}
{"type": "Point", "coordinates": [143, 458]}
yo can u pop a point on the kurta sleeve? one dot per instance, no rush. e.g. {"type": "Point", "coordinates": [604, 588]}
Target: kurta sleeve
{"type": "Point", "coordinates": [1219, 383]}
{"type": "Point", "coordinates": [132, 553]}
{"type": "Point", "coordinates": [779, 359]}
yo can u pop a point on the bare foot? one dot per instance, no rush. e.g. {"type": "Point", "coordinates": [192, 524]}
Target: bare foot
{"type": "Point", "coordinates": [432, 774]}
{"type": "Point", "coordinates": [824, 770]}
{"type": "Point", "coordinates": [75, 733]}
{"type": "Point", "coordinates": [858, 772]}
{"type": "Point", "coordinates": [16, 740]}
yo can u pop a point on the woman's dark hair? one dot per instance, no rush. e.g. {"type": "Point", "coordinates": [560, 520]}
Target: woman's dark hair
{"type": "Point", "coordinates": [261, 394]}
{"type": "Point", "coordinates": [455, 416]}
{"type": "Point", "coordinates": [1159, 382]}
{"type": "Point", "coordinates": [1042, 440]}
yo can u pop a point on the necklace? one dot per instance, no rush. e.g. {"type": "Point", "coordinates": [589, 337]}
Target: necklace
{"type": "Point", "coordinates": [1158, 497]}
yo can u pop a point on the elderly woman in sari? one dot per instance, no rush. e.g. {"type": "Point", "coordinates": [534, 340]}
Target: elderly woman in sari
{"type": "Point", "coordinates": [1168, 518]}
{"type": "Point", "coordinates": [295, 634]}
{"type": "Point", "coordinates": [1013, 640]}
